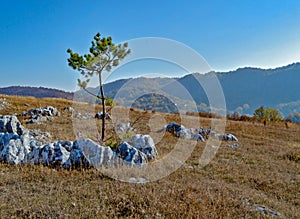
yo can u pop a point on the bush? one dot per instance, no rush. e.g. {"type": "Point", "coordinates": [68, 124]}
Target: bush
{"type": "Point", "coordinates": [268, 114]}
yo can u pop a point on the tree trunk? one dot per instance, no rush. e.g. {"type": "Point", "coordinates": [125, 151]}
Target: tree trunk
{"type": "Point", "coordinates": [103, 108]}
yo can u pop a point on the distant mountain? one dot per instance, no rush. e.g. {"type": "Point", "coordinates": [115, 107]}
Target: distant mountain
{"type": "Point", "coordinates": [39, 92]}
{"type": "Point", "coordinates": [245, 89]}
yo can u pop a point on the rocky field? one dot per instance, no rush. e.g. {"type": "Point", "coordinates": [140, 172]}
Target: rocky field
{"type": "Point", "coordinates": [259, 178]}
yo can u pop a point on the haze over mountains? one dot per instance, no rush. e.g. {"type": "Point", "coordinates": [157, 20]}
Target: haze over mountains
{"type": "Point", "coordinates": [245, 89]}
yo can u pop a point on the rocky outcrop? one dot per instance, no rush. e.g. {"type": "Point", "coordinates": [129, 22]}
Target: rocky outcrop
{"type": "Point", "coordinates": [19, 146]}
{"type": "Point", "coordinates": [131, 155]}
{"type": "Point", "coordinates": [198, 134]}
{"type": "Point", "coordinates": [40, 115]}
{"type": "Point", "coordinates": [86, 153]}
{"type": "Point", "coordinates": [11, 124]}
{"type": "Point", "coordinates": [99, 115]}
{"type": "Point", "coordinates": [68, 109]}
{"type": "Point", "coordinates": [185, 133]}
{"type": "Point", "coordinates": [14, 148]}
{"type": "Point", "coordinates": [145, 144]}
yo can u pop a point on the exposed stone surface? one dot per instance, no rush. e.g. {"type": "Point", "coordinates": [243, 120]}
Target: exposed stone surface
{"type": "Point", "coordinates": [145, 144]}
{"type": "Point", "coordinates": [68, 108]}
{"type": "Point", "coordinates": [185, 133]}
{"type": "Point", "coordinates": [40, 115]}
{"type": "Point", "coordinates": [87, 153]}
{"type": "Point", "coordinates": [198, 134]}
{"type": "Point", "coordinates": [19, 146]}
{"type": "Point", "coordinates": [46, 111]}
{"type": "Point", "coordinates": [131, 155]}
{"type": "Point", "coordinates": [14, 148]}
{"type": "Point", "coordinates": [224, 137]}
{"type": "Point", "coordinates": [267, 211]}
{"type": "Point", "coordinates": [99, 115]}
{"type": "Point", "coordinates": [11, 124]}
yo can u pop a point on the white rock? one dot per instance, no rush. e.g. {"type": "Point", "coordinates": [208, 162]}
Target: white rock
{"type": "Point", "coordinates": [14, 148]}
{"type": "Point", "coordinates": [145, 144]}
{"type": "Point", "coordinates": [11, 124]}
{"type": "Point", "coordinates": [99, 115]}
{"type": "Point", "coordinates": [131, 155]}
{"type": "Point", "coordinates": [86, 153]}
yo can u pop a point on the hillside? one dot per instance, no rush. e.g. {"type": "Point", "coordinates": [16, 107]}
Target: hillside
{"type": "Point", "coordinates": [259, 179]}
{"type": "Point", "coordinates": [245, 90]}
{"type": "Point", "coordinates": [38, 92]}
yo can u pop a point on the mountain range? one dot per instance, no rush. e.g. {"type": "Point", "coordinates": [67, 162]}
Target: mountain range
{"type": "Point", "coordinates": [244, 89]}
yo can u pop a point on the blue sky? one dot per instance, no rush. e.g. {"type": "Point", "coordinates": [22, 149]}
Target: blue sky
{"type": "Point", "coordinates": [35, 34]}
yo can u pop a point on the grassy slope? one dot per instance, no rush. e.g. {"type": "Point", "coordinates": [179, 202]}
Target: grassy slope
{"type": "Point", "coordinates": [257, 173]}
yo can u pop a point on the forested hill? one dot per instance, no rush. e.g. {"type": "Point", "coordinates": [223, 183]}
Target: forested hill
{"type": "Point", "coordinates": [39, 92]}
{"type": "Point", "coordinates": [245, 89]}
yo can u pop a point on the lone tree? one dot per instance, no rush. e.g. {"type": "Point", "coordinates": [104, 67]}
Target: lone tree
{"type": "Point", "coordinates": [103, 56]}
{"type": "Point", "coordinates": [268, 114]}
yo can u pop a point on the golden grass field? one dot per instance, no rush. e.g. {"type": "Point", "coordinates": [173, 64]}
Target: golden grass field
{"type": "Point", "coordinates": [263, 172]}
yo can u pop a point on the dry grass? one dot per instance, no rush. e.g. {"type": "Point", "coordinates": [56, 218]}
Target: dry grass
{"type": "Point", "coordinates": [258, 173]}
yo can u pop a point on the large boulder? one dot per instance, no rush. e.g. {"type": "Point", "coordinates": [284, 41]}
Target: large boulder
{"type": "Point", "coordinates": [145, 144]}
{"type": "Point", "coordinates": [14, 148]}
{"type": "Point", "coordinates": [53, 154]}
{"type": "Point", "coordinates": [86, 153]}
{"type": "Point", "coordinates": [130, 155]}
{"type": "Point", "coordinates": [11, 124]}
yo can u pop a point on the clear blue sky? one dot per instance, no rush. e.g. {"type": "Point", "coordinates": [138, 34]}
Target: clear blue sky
{"type": "Point", "coordinates": [35, 34]}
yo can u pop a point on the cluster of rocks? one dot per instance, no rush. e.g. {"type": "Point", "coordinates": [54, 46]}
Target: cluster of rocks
{"type": "Point", "coordinates": [99, 115]}
{"type": "Point", "coordinates": [19, 146]}
{"type": "Point", "coordinates": [198, 134]}
{"type": "Point", "coordinates": [40, 115]}
{"type": "Point", "coordinates": [68, 109]}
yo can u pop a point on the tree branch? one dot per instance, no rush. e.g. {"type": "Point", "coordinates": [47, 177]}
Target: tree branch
{"type": "Point", "coordinates": [91, 93]}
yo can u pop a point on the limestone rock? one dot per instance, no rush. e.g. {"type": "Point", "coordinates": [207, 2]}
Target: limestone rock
{"type": "Point", "coordinates": [39, 115]}
{"type": "Point", "coordinates": [14, 148]}
{"type": "Point", "coordinates": [131, 155]}
{"type": "Point", "coordinates": [99, 115]}
{"type": "Point", "coordinates": [68, 108]}
{"type": "Point", "coordinates": [145, 144]}
{"type": "Point", "coordinates": [86, 153]}
{"type": "Point", "coordinates": [11, 124]}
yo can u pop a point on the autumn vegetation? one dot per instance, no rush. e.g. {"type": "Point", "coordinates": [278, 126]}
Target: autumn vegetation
{"type": "Point", "coordinates": [262, 171]}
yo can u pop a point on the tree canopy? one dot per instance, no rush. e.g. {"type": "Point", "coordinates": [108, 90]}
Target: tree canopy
{"type": "Point", "coordinates": [267, 114]}
{"type": "Point", "coordinates": [103, 56]}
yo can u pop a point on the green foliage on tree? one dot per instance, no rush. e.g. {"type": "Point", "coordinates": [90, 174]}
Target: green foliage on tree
{"type": "Point", "coordinates": [103, 56]}
{"type": "Point", "coordinates": [267, 114]}
{"type": "Point", "coordinates": [259, 113]}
